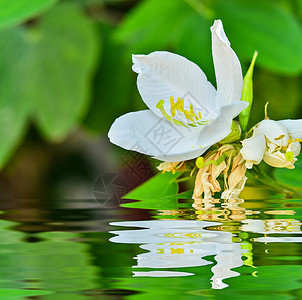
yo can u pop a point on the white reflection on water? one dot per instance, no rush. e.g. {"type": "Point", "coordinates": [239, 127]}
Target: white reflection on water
{"type": "Point", "coordinates": [274, 226]}
{"type": "Point", "coordinates": [188, 243]}
{"type": "Point", "coordinates": [182, 243]}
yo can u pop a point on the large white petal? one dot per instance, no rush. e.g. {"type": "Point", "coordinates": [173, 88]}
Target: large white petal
{"type": "Point", "coordinates": [275, 132]}
{"type": "Point", "coordinates": [253, 148]}
{"type": "Point", "coordinates": [144, 132]}
{"type": "Point", "coordinates": [163, 74]}
{"type": "Point", "coordinates": [227, 67]}
{"type": "Point", "coordinates": [294, 128]}
{"type": "Point", "coordinates": [220, 127]}
{"type": "Point", "coordinates": [182, 156]}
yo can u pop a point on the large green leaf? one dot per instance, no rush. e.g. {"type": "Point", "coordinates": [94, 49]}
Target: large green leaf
{"type": "Point", "coordinates": [15, 12]}
{"type": "Point", "coordinates": [159, 192]}
{"type": "Point", "coordinates": [66, 54]}
{"type": "Point", "coordinates": [266, 27]}
{"type": "Point", "coordinates": [159, 186]}
{"type": "Point", "coordinates": [152, 24]}
{"type": "Point", "coordinates": [45, 75]}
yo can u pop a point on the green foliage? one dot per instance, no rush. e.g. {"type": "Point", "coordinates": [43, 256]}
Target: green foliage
{"type": "Point", "coordinates": [48, 62]}
{"type": "Point", "coordinates": [45, 76]}
{"type": "Point", "coordinates": [251, 25]}
{"type": "Point", "coordinates": [291, 178]}
{"type": "Point", "coordinates": [159, 192]}
{"type": "Point", "coordinates": [152, 24]}
{"type": "Point", "coordinates": [247, 94]}
{"type": "Point", "coordinates": [15, 12]}
{"type": "Point", "coordinates": [266, 27]}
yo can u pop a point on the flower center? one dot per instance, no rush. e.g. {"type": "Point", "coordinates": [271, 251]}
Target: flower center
{"type": "Point", "coordinates": [188, 117]}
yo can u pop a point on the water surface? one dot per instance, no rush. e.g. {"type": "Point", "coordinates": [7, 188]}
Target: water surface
{"type": "Point", "coordinates": [81, 250]}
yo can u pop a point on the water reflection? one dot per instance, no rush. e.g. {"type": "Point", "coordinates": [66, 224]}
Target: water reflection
{"type": "Point", "coordinates": [182, 243]}
{"type": "Point", "coordinates": [222, 235]}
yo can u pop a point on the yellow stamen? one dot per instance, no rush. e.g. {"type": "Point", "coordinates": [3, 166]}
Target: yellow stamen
{"type": "Point", "coordinates": [190, 114]}
{"type": "Point", "coordinates": [179, 106]}
{"type": "Point", "coordinates": [160, 105]}
{"type": "Point", "coordinates": [279, 137]}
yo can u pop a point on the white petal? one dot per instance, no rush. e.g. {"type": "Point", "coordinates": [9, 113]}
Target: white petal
{"type": "Point", "coordinates": [275, 132]}
{"type": "Point", "coordinates": [220, 127]}
{"type": "Point", "coordinates": [163, 74]}
{"type": "Point", "coordinates": [253, 148]}
{"type": "Point", "coordinates": [294, 128]}
{"type": "Point", "coordinates": [227, 67]}
{"type": "Point", "coordinates": [278, 160]}
{"type": "Point", "coordinates": [144, 132]}
{"type": "Point", "coordinates": [182, 156]}
{"type": "Point", "coordinates": [294, 147]}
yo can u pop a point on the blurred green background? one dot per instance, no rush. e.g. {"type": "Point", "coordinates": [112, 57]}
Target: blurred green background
{"type": "Point", "coordinates": [65, 75]}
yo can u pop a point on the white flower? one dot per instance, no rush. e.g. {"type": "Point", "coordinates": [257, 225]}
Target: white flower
{"type": "Point", "coordinates": [276, 142]}
{"type": "Point", "coordinates": [253, 148]}
{"type": "Point", "coordinates": [182, 103]}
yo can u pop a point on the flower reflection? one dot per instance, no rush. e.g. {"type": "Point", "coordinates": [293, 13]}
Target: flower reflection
{"type": "Point", "coordinates": [182, 243]}
{"type": "Point", "coordinates": [223, 236]}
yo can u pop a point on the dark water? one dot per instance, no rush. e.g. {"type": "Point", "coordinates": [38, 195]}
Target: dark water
{"type": "Point", "coordinates": [81, 250]}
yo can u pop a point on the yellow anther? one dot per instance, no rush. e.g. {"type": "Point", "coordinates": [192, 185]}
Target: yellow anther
{"type": "Point", "coordinates": [279, 137]}
{"type": "Point", "coordinates": [176, 106]}
{"type": "Point", "coordinates": [179, 106]}
{"type": "Point", "coordinates": [177, 251]}
{"type": "Point", "coordinates": [187, 114]}
{"type": "Point", "coordinates": [190, 114]}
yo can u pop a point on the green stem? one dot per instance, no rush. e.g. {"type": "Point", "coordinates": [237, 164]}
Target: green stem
{"type": "Point", "coordinates": [183, 179]}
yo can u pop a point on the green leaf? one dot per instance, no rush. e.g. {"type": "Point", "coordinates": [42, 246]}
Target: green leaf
{"type": "Point", "coordinates": [159, 186]}
{"type": "Point", "coordinates": [159, 192]}
{"type": "Point", "coordinates": [152, 24]}
{"type": "Point", "coordinates": [291, 178]}
{"type": "Point", "coordinates": [45, 76]}
{"type": "Point", "coordinates": [66, 55]}
{"type": "Point", "coordinates": [266, 27]}
{"type": "Point", "coordinates": [15, 12]}
{"type": "Point", "coordinates": [247, 94]}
